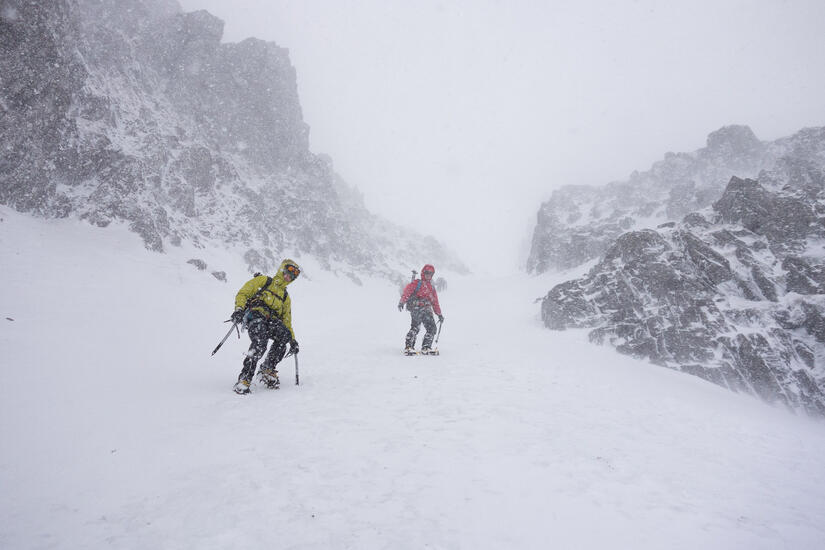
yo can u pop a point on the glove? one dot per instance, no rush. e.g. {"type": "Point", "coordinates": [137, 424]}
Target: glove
{"type": "Point", "coordinates": [293, 347]}
{"type": "Point", "coordinates": [400, 306]}
{"type": "Point", "coordinates": [237, 316]}
{"type": "Point", "coordinates": [440, 318]}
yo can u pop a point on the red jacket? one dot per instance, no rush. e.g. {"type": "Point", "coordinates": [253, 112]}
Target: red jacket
{"type": "Point", "coordinates": [425, 295]}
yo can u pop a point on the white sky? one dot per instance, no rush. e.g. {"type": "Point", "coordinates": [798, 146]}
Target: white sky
{"type": "Point", "coordinates": [459, 118]}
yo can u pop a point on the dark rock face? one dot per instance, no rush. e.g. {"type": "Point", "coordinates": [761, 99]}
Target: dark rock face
{"type": "Point", "coordinates": [781, 219]}
{"type": "Point", "coordinates": [734, 294]}
{"type": "Point", "coordinates": [580, 223]}
{"type": "Point", "coordinates": [131, 110]}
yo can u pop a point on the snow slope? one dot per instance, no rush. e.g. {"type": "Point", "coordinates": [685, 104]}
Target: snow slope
{"type": "Point", "coordinates": [118, 430]}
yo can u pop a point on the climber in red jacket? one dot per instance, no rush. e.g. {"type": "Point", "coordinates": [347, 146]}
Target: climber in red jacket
{"type": "Point", "coordinates": [421, 300]}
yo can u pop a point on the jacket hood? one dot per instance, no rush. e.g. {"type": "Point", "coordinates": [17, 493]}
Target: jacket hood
{"type": "Point", "coordinates": [280, 274]}
{"type": "Point", "coordinates": [427, 267]}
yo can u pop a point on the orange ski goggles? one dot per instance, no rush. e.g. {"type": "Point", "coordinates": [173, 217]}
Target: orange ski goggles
{"type": "Point", "coordinates": [292, 270]}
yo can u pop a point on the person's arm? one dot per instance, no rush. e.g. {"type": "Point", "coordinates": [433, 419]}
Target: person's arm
{"type": "Point", "coordinates": [436, 305]}
{"type": "Point", "coordinates": [287, 320]}
{"type": "Point", "coordinates": [408, 290]}
{"type": "Point", "coordinates": [287, 316]}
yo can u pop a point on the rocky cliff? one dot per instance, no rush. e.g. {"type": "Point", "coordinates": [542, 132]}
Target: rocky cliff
{"type": "Point", "coordinates": [580, 223]}
{"type": "Point", "coordinates": [130, 110]}
{"type": "Point", "coordinates": [733, 293]}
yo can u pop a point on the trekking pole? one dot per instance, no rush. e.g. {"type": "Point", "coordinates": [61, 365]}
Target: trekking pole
{"type": "Point", "coordinates": [234, 325]}
{"type": "Point", "coordinates": [439, 331]}
{"type": "Point", "coordinates": [296, 370]}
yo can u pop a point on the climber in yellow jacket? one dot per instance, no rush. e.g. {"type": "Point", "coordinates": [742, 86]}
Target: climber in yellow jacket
{"type": "Point", "coordinates": [265, 310]}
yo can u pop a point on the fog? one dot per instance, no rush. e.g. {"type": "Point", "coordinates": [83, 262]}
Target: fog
{"type": "Point", "coordinates": [459, 118]}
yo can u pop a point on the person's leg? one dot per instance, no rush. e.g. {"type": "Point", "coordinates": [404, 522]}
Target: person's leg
{"type": "Point", "coordinates": [429, 325]}
{"type": "Point", "coordinates": [415, 325]}
{"type": "Point", "coordinates": [280, 336]}
{"type": "Point", "coordinates": [258, 330]}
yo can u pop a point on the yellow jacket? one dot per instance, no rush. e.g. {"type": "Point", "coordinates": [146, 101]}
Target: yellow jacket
{"type": "Point", "coordinates": [273, 301]}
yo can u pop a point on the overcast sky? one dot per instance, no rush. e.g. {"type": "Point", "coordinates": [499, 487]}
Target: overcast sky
{"type": "Point", "coordinates": [459, 117]}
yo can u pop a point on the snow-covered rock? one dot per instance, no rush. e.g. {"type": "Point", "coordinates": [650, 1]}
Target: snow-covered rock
{"type": "Point", "coordinates": [734, 293]}
{"type": "Point", "coordinates": [579, 223]}
{"type": "Point", "coordinates": [132, 110]}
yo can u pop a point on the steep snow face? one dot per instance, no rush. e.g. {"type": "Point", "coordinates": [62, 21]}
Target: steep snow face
{"type": "Point", "coordinates": [580, 223]}
{"type": "Point", "coordinates": [133, 111]}
{"type": "Point", "coordinates": [118, 430]}
{"type": "Point", "coordinates": [734, 294]}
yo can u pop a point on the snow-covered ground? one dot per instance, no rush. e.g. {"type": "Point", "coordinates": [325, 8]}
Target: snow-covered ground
{"type": "Point", "coordinates": [118, 430]}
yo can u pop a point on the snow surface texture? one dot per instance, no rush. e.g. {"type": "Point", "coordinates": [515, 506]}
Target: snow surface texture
{"type": "Point", "coordinates": [119, 430]}
{"type": "Point", "coordinates": [734, 294]}
{"type": "Point", "coordinates": [579, 223]}
{"type": "Point", "coordinates": [131, 111]}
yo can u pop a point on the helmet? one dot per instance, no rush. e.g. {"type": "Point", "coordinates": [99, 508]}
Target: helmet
{"type": "Point", "coordinates": [291, 267]}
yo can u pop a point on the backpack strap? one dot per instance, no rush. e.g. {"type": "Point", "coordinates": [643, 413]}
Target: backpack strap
{"type": "Point", "coordinates": [265, 287]}
{"type": "Point", "coordinates": [256, 302]}
{"type": "Point", "coordinates": [415, 294]}
{"type": "Point", "coordinates": [260, 291]}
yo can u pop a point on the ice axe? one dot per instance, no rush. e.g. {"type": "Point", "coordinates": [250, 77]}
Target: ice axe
{"type": "Point", "coordinates": [441, 322]}
{"type": "Point", "coordinates": [234, 326]}
{"type": "Point", "coordinates": [295, 354]}
{"type": "Point", "coordinates": [245, 310]}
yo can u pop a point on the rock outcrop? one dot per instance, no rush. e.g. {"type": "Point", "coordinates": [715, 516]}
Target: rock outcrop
{"type": "Point", "coordinates": [580, 223]}
{"type": "Point", "coordinates": [130, 110]}
{"type": "Point", "coordinates": [734, 293]}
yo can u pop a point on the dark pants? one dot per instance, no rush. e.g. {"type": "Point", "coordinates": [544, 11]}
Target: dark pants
{"type": "Point", "coordinates": [418, 316]}
{"type": "Point", "coordinates": [261, 330]}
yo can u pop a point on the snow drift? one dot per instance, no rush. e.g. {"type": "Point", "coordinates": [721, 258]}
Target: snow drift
{"type": "Point", "coordinates": [118, 429]}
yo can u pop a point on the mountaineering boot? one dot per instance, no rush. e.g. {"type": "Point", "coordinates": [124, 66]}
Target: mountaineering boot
{"type": "Point", "coordinates": [429, 351]}
{"type": "Point", "coordinates": [269, 378]}
{"type": "Point", "coordinates": [241, 387]}
{"type": "Point", "coordinates": [409, 351]}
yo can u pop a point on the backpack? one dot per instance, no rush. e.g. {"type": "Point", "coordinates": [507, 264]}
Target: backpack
{"type": "Point", "coordinates": [255, 300]}
{"type": "Point", "coordinates": [416, 303]}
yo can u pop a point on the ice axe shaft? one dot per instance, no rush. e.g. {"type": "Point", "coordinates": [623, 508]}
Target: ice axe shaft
{"type": "Point", "coordinates": [225, 337]}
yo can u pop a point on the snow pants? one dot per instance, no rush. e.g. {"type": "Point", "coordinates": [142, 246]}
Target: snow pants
{"type": "Point", "coordinates": [419, 316]}
{"type": "Point", "coordinates": [261, 331]}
